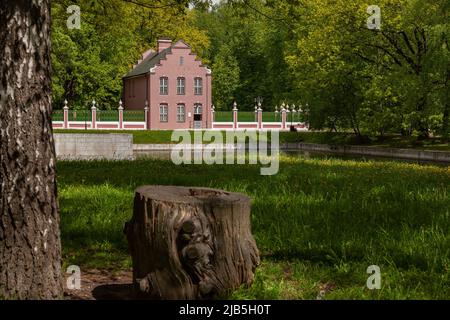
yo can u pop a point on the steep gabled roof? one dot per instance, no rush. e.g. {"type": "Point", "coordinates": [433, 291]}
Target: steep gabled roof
{"type": "Point", "coordinates": [152, 60]}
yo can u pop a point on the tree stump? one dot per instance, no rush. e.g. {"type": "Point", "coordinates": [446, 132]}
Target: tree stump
{"type": "Point", "coordinates": [190, 243]}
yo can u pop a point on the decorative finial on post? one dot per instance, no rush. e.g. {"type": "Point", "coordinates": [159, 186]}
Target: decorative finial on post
{"type": "Point", "coordinates": [213, 108]}
{"type": "Point", "coordinates": [93, 104]}
{"type": "Point", "coordinates": [235, 106]}
{"type": "Point", "coordinates": [66, 104]}
{"type": "Point", "coordinates": [120, 105]}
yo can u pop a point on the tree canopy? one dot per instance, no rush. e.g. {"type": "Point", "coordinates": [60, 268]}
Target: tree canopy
{"type": "Point", "coordinates": [315, 52]}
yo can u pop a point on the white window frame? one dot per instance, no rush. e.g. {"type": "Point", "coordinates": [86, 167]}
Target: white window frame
{"type": "Point", "coordinates": [181, 86]}
{"type": "Point", "coordinates": [198, 106]}
{"type": "Point", "coordinates": [181, 113]}
{"type": "Point", "coordinates": [198, 86]}
{"type": "Point", "coordinates": [163, 113]}
{"type": "Point", "coordinates": [164, 86]}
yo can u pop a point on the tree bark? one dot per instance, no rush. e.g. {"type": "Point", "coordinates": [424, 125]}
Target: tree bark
{"type": "Point", "coordinates": [446, 114]}
{"type": "Point", "coordinates": [445, 119]}
{"type": "Point", "coordinates": [30, 257]}
{"type": "Point", "coordinates": [190, 243]}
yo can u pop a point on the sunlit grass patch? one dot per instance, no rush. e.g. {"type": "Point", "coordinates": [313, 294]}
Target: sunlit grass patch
{"type": "Point", "coordinates": [319, 223]}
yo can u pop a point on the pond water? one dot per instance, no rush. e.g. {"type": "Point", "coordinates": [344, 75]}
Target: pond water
{"type": "Point", "coordinates": [166, 155]}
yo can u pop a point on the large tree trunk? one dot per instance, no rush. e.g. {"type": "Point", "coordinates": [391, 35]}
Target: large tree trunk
{"type": "Point", "coordinates": [190, 243]}
{"type": "Point", "coordinates": [30, 257]}
{"type": "Point", "coordinates": [446, 115]}
{"type": "Point", "coordinates": [422, 123]}
{"type": "Point", "coordinates": [445, 119]}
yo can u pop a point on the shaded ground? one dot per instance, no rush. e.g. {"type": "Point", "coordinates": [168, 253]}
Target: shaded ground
{"type": "Point", "coordinates": [102, 285]}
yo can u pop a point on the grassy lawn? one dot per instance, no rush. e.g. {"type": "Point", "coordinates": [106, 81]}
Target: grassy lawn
{"type": "Point", "coordinates": [319, 223]}
{"type": "Point", "coordinates": [161, 136]}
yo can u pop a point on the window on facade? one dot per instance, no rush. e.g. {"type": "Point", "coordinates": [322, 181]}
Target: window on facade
{"type": "Point", "coordinates": [197, 108]}
{"type": "Point", "coordinates": [163, 85]}
{"type": "Point", "coordinates": [181, 85]}
{"type": "Point", "coordinates": [181, 61]}
{"type": "Point", "coordinates": [181, 113]}
{"type": "Point", "coordinates": [198, 86]}
{"type": "Point", "coordinates": [163, 113]}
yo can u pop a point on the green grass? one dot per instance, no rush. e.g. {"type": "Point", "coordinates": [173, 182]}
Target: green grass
{"type": "Point", "coordinates": [318, 222]}
{"type": "Point", "coordinates": [393, 141]}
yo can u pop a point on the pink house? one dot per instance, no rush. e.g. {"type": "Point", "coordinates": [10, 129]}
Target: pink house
{"type": "Point", "coordinates": [174, 84]}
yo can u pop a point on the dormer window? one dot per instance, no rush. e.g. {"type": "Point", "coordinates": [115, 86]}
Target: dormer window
{"type": "Point", "coordinates": [198, 86]}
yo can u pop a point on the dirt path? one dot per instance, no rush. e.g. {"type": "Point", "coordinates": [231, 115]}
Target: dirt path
{"type": "Point", "coordinates": [101, 285]}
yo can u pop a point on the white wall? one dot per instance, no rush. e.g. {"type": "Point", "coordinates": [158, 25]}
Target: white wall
{"type": "Point", "coordinates": [93, 146]}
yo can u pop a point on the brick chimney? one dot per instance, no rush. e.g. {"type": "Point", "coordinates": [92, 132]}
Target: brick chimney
{"type": "Point", "coordinates": [164, 43]}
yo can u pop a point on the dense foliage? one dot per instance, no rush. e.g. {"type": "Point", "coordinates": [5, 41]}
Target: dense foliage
{"type": "Point", "coordinates": [88, 63]}
{"type": "Point", "coordinates": [320, 52]}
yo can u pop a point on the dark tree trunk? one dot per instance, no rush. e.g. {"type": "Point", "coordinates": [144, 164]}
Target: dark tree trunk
{"type": "Point", "coordinates": [422, 123]}
{"type": "Point", "coordinates": [30, 253]}
{"type": "Point", "coordinates": [190, 243]}
{"type": "Point", "coordinates": [446, 115]}
{"type": "Point", "coordinates": [445, 119]}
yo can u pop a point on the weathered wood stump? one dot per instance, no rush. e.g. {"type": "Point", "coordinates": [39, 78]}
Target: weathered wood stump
{"type": "Point", "coordinates": [190, 243]}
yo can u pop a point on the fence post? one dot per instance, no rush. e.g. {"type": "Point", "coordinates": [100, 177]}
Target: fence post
{"type": "Point", "coordinates": [146, 116]}
{"type": "Point", "coordinates": [283, 118]}
{"type": "Point", "coordinates": [213, 116]}
{"type": "Point", "coordinates": [259, 113]}
{"type": "Point", "coordinates": [120, 115]}
{"type": "Point", "coordinates": [235, 115]}
{"type": "Point", "coordinates": [94, 115]}
{"type": "Point", "coordinates": [66, 115]}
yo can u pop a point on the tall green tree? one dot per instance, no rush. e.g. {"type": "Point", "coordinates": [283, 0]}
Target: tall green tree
{"type": "Point", "coordinates": [226, 78]}
{"type": "Point", "coordinates": [89, 63]}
